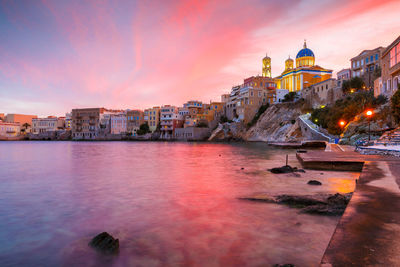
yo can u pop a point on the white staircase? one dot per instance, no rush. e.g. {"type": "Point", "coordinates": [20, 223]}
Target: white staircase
{"type": "Point", "coordinates": [391, 138]}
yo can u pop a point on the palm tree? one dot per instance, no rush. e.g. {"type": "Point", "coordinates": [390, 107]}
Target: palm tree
{"type": "Point", "coordinates": [26, 125]}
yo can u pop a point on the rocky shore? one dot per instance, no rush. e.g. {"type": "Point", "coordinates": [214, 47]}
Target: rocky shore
{"type": "Point", "coordinates": [322, 204]}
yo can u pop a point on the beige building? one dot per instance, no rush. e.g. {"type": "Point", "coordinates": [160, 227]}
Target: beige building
{"type": "Point", "coordinates": [86, 122]}
{"type": "Point", "coordinates": [322, 93]}
{"type": "Point", "coordinates": [152, 117]}
{"type": "Point", "coordinates": [365, 64]}
{"type": "Point", "coordinates": [49, 124]}
{"type": "Point", "coordinates": [9, 129]}
{"type": "Point", "coordinates": [388, 83]}
{"type": "Point", "coordinates": [134, 118]}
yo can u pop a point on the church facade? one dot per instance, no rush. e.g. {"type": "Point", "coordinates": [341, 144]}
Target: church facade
{"type": "Point", "coordinates": [305, 74]}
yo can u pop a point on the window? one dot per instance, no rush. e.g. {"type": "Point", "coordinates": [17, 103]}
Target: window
{"type": "Point", "coordinates": [376, 56]}
{"type": "Point", "coordinates": [372, 58]}
{"type": "Point", "coordinates": [366, 60]}
{"type": "Point", "coordinates": [362, 62]}
{"type": "Point", "coordinates": [398, 53]}
{"type": "Point", "coordinates": [393, 57]}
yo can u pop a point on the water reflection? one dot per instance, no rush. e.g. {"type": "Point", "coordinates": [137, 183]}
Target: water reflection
{"type": "Point", "coordinates": [170, 204]}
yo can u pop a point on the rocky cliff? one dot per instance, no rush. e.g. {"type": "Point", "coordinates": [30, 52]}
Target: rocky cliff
{"type": "Point", "coordinates": [277, 124]}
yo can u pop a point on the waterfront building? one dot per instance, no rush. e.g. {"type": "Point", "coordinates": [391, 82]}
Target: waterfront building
{"type": "Point", "coordinates": [22, 119]}
{"type": "Point", "coordinates": [49, 124]}
{"type": "Point", "coordinates": [118, 123]}
{"type": "Point", "coordinates": [86, 122]}
{"type": "Point", "coordinates": [169, 121]}
{"type": "Point", "coordinates": [366, 64]}
{"type": "Point", "coordinates": [9, 129]}
{"type": "Point", "coordinates": [343, 75]}
{"type": "Point", "coordinates": [390, 78]}
{"type": "Point", "coordinates": [134, 118]}
{"type": "Point", "coordinates": [305, 74]}
{"type": "Point", "coordinates": [2, 117]}
{"type": "Point", "coordinates": [152, 117]}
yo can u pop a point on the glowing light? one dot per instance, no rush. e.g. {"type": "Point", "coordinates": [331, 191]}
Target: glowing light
{"type": "Point", "coordinates": [369, 113]}
{"type": "Point", "coordinates": [342, 123]}
{"type": "Point", "coordinates": [316, 120]}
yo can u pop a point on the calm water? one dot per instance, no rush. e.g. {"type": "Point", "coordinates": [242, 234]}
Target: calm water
{"type": "Point", "coordinates": [170, 204]}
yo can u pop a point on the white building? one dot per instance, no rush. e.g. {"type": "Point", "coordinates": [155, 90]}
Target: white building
{"type": "Point", "coordinates": [118, 123]}
{"type": "Point", "coordinates": [49, 124]}
{"type": "Point", "coordinates": [280, 95]}
{"type": "Point", "coordinates": [169, 120]}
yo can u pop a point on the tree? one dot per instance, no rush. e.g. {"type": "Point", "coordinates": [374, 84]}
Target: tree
{"type": "Point", "coordinates": [143, 129]}
{"type": "Point", "coordinates": [396, 104]}
{"type": "Point", "coordinates": [353, 85]}
{"type": "Point", "coordinates": [202, 124]}
{"type": "Point", "coordinates": [26, 125]}
{"type": "Point", "coordinates": [290, 97]}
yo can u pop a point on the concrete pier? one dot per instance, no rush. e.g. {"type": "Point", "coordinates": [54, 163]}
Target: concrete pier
{"type": "Point", "coordinates": [368, 233]}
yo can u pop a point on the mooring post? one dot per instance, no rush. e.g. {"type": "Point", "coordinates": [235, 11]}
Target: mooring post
{"type": "Point", "coordinates": [287, 156]}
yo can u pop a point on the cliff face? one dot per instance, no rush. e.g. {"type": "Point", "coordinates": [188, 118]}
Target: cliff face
{"type": "Point", "coordinates": [277, 124]}
{"type": "Point", "coordinates": [233, 131]}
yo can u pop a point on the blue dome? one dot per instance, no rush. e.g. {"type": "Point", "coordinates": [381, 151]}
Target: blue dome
{"type": "Point", "coordinates": [305, 52]}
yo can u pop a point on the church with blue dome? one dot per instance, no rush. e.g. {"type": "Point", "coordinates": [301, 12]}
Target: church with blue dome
{"type": "Point", "coordinates": [305, 74]}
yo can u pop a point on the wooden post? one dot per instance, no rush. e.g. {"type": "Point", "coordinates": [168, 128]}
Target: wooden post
{"type": "Point", "coordinates": [287, 156]}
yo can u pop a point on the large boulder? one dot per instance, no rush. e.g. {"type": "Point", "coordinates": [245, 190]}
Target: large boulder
{"type": "Point", "coordinates": [104, 242]}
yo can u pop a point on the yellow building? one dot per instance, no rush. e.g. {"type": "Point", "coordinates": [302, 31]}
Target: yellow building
{"type": "Point", "coordinates": [304, 75]}
{"type": "Point", "coordinates": [152, 117]}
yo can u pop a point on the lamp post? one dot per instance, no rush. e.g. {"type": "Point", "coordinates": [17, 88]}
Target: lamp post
{"type": "Point", "coordinates": [369, 114]}
{"type": "Point", "coordinates": [342, 123]}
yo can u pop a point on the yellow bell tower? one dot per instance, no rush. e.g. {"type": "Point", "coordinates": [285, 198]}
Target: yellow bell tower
{"type": "Point", "coordinates": [266, 69]}
{"type": "Point", "coordinates": [289, 64]}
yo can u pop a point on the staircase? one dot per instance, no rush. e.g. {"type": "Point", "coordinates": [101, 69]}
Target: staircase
{"type": "Point", "coordinates": [389, 138]}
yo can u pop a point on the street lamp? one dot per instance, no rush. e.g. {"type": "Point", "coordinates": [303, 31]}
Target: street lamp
{"type": "Point", "coordinates": [369, 114]}
{"type": "Point", "coordinates": [342, 123]}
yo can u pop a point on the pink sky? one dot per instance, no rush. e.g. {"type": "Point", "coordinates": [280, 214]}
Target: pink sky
{"type": "Point", "coordinates": [59, 55]}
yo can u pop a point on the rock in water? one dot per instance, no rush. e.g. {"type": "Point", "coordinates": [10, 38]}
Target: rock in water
{"type": "Point", "coordinates": [283, 169]}
{"type": "Point", "coordinates": [284, 265]}
{"type": "Point", "coordinates": [314, 182]}
{"type": "Point", "coordinates": [105, 242]}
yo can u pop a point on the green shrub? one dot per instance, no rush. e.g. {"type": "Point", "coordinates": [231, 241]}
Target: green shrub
{"type": "Point", "coordinates": [290, 97]}
{"type": "Point", "coordinates": [344, 109]}
{"type": "Point", "coordinates": [143, 129]}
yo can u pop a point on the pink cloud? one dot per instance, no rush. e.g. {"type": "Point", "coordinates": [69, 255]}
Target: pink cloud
{"type": "Point", "coordinates": [154, 53]}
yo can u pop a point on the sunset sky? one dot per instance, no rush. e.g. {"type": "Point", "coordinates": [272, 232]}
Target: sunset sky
{"type": "Point", "coordinates": [59, 55]}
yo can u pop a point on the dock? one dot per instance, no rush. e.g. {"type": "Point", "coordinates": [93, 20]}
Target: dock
{"type": "Point", "coordinates": [335, 158]}
{"type": "Point", "coordinates": [368, 233]}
